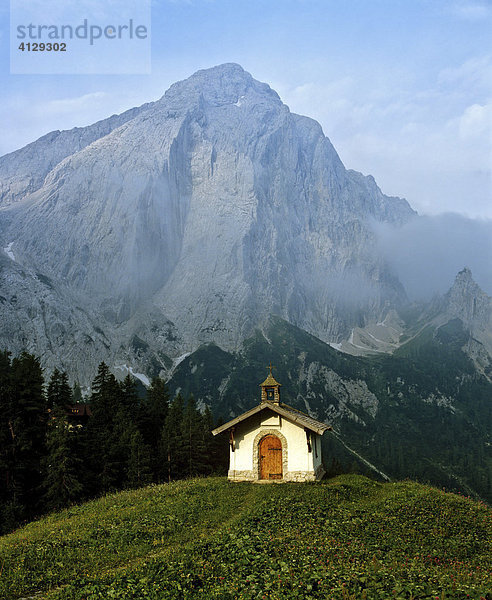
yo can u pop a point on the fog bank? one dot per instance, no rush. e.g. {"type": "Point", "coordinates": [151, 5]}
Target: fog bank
{"type": "Point", "coordinates": [427, 253]}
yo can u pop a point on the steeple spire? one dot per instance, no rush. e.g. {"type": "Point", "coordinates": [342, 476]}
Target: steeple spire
{"type": "Point", "coordinates": [270, 388]}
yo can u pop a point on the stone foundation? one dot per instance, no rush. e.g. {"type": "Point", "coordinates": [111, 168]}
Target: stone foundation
{"type": "Point", "coordinates": [292, 476]}
{"type": "Point", "coordinates": [299, 476]}
{"type": "Point", "coordinates": [241, 476]}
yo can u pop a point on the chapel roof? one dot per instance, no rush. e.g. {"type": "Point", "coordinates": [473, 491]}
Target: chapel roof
{"type": "Point", "coordinates": [270, 381]}
{"type": "Point", "coordinates": [292, 414]}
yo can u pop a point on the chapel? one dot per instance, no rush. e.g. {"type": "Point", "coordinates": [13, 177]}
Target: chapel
{"type": "Point", "coordinates": [273, 441]}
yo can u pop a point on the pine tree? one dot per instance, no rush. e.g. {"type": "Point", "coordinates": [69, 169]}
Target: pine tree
{"type": "Point", "coordinates": [104, 398]}
{"type": "Point", "coordinates": [152, 415]}
{"type": "Point", "coordinates": [9, 512]}
{"type": "Point", "coordinates": [59, 392]}
{"type": "Point", "coordinates": [62, 465]}
{"type": "Point", "coordinates": [125, 438]}
{"type": "Point", "coordinates": [76, 393]}
{"type": "Point", "coordinates": [129, 400]}
{"type": "Point", "coordinates": [195, 439]}
{"type": "Point", "coordinates": [27, 426]}
{"type": "Point", "coordinates": [139, 470]}
{"type": "Point", "coordinates": [172, 451]}
{"type": "Point", "coordinates": [216, 447]}
{"type": "Point", "coordinates": [103, 457]}
{"type": "Point", "coordinates": [154, 410]}
{"type": "Point", "coordinates": [119, 448]}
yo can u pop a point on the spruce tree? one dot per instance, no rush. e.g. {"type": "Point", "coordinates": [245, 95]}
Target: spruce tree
{"type": "Point", "coordinates": [194, 448]}
{"type": "Point", "coordinates": [152, 415]}
{"type": "Point", "coordinates": [76, 393]}
{"type": "Point", "coordinates": [104, 398]}
{"type": "Point", "coordinates": [126, 457]}
{"type": "Point", "coordinates": [27, 426]}
{"type": "Point", "coordinates": [139, 471]}
{"type": "Point", "coordinates": [59, 392]}
{"type": "Point", "coordinates": [154, 410]}
{"type": "Point", "coordinates": [216, 447]}
{"type": "Point", "coordinates": [103, 458]}
{"type": "Point", "coordinates": [63, 465]}
{"type": "Point", "coordinates": [172, 452]}
{"type": "Point", "coordinates": [9, 513]}
{"type": "Point", "coordinates": [129, 400]}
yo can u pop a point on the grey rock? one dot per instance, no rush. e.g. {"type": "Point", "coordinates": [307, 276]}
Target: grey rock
{"type": "Point", "coordinates": [191, 220]}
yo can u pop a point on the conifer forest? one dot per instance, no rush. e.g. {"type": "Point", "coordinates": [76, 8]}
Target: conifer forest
{"type": "Point", "coordinates": [51, 458]}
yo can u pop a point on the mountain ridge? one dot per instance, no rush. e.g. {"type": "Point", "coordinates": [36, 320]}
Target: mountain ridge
{"type": "Point", "coordinates": [210, 208]}
{"type": "Point", "coordinates": [191, 220]}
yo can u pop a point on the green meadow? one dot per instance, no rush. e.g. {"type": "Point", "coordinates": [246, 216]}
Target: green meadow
{"type": "Point", "coordinates": [346, 538]}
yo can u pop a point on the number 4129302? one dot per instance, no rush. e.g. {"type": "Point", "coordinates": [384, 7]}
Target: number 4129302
{"type": "Point", "coordinates": [43, 47]}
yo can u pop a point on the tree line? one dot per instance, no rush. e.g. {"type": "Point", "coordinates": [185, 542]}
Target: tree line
{"type": "Point", "coordinates": [49, 460]}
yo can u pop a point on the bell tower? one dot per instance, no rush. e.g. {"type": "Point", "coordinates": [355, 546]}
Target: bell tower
{"type": "Point", "coordinates": [270, 391]}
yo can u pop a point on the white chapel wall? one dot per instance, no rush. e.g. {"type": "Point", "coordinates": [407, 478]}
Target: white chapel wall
{"type": "Point", "coordinates": [299, 460]}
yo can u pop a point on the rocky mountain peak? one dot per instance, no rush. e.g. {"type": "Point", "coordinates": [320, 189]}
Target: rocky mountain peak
{"type": "Point", "coordinates": [191, 220]}
{"type": "Point", "coordinates": [467, 301]}
{"type": "Point", "coordinates": [465, 275]}
{"type": "Point", "coordinates": [224, 84]}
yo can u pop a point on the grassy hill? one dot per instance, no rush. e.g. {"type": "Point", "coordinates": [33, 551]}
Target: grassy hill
{"type": "Point", "coordinates": [345, 538]}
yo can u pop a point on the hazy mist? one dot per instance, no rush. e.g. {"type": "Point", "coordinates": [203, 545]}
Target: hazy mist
{"type": "Point", "coordinates": [428, 252]}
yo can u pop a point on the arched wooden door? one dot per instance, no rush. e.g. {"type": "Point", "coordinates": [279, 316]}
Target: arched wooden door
{"type": "Point", "coordinates": [270, 457]}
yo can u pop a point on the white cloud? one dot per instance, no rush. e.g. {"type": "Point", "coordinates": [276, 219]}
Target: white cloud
{"type": "Point", "coordinates": [471, 11]}
{"type": "Point", "coordinates": [476, 122]}
{"type": "Point", "coordinates": [476, 72]}
{"type": "Point", "coordinates": [429, 143]}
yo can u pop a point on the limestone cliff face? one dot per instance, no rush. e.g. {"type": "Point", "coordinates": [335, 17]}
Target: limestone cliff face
{"type": "Point", "coordinates": [466, 301]}
{"type": "Point", "coordinates": [37, 317]}
{"type": "Point", "coordinates": [209, 210]}
{"type": "Point", "coordinates": [23, 171]}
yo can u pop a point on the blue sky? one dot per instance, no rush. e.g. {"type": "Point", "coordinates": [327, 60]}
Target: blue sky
{"type": "Point", "coordinates": [401, 87]}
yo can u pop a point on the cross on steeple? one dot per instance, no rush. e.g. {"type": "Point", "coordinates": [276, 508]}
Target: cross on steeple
{"type": "Point", "coordinates": [270, 366]}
